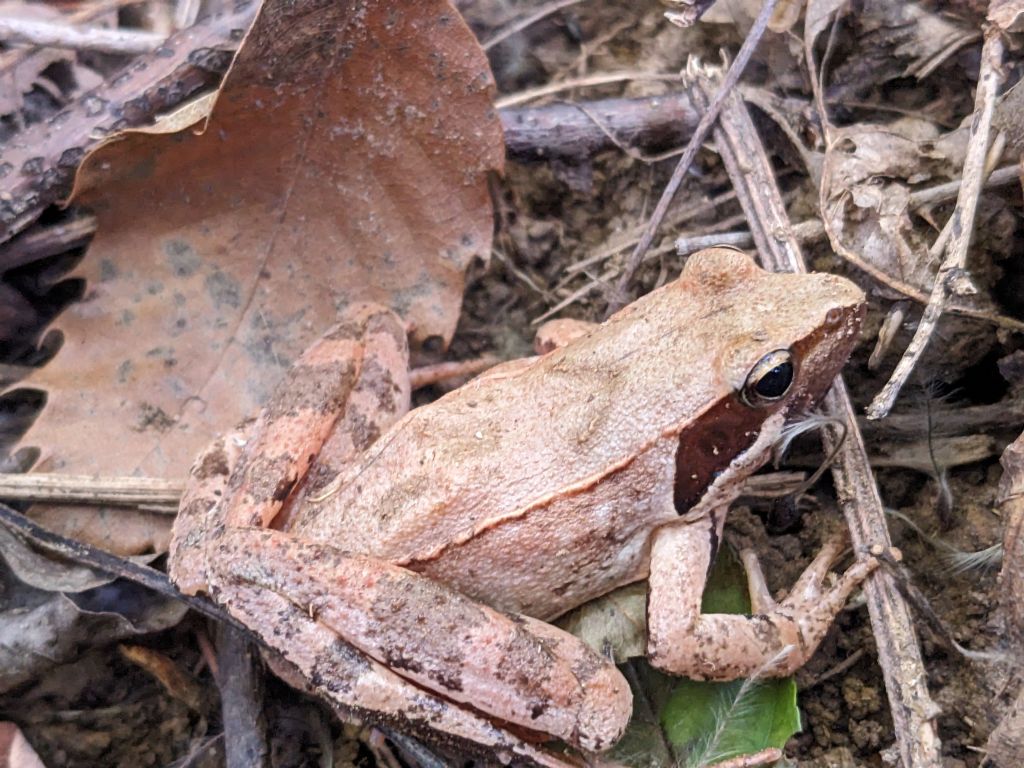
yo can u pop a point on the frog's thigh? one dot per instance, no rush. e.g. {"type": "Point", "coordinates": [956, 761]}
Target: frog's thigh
{"type": "Point", "coordinates": [366, 350]}
{"type": "Point", "coordinates": [514, 668]}
{"type": "Point", "coordinates": [775, 641]}
{"type": "Point", "coordinates": [311, 657]}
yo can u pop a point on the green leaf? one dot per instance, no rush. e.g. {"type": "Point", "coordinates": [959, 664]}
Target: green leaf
{"type": "Point", "coordinates": [726, 588]}
{"type": "Point", "coordinates": [691, 723]}
{"type": "Point", "coordinates": [707, 722]}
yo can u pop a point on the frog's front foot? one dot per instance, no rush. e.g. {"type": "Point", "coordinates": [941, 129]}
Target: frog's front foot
{"type": "Point", "coordinates": [774, 641]}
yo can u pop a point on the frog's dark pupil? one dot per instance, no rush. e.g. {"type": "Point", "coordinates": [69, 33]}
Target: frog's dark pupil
{"type": "Point", "coordinates": [775, 383]}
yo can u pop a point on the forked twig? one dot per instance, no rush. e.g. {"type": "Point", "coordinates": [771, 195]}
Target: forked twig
{"type": "Point", "coordinates": [686, 160]}
{"type": "Point", "coordinates": [960, 226]}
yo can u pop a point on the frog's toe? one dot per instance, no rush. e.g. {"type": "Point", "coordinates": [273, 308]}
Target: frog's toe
{"type": "Point", "coordinates": [605, 710]}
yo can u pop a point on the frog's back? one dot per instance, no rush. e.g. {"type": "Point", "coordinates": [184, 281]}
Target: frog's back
{"type": "Point", "coordinates": [512, 442]}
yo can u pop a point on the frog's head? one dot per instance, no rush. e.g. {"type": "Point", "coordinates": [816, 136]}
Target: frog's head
{"type": "Point", "coordinates": [781, 340]}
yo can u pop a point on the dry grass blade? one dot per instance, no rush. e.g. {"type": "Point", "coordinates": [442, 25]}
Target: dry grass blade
{"type": "Point", "coordinates": [690, 152]}
{"type": "Point", "coordinates": [518, 26]}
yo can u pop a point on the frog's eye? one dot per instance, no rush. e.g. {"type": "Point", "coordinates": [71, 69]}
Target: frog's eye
{"type": "Point", "coordinates": [770, 379]}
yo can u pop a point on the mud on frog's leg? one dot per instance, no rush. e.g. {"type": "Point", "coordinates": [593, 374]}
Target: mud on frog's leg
{"type": "Point", "coordinates": [683, 641]}
{"type": "Point", "coordinates": [355, 373]}
{"type": "Point", "coordinates": [513, 668]}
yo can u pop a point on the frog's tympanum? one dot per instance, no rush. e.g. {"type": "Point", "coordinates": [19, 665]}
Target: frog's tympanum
{"type": "Point", "coordinates": [405, 564]}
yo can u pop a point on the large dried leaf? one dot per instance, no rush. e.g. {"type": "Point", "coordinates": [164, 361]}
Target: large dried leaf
{"type": "Point", "coordinates": [346, 159]}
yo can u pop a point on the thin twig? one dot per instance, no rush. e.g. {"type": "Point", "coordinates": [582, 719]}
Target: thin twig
{"type": "Point", "coordinates": [590, 81]}
{"type": "Point", "coordinates": [575, 131]}
{"type": "Point", "coordinates": [85, 489]}
{"type": "Point", "coordinates": [48, 34]}
{"type": "Point", "coordinates": [85, 554]}
{"type": "Point", "coordinates": [696, 140]}
{"type": "Point", "coordinates": [912, 709]}
{"type": "Point", "coordinates": [241, 686]}
{"type": "Point", "coordinates": [518, 26]}
{"type": "Point", "coordinates": [810, 230]}
{"type": "Point", "coordinates": [960, 226]}
{"type": "Point", "coordinates": [426, 375]}
{"type": "Point", "coordinates": [691, 211]}
{"type": "Point", "coordinates": [941, 193]}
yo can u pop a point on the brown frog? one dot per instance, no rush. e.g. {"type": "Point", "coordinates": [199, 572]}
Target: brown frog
{"type": "Point", "coordinates": [404, 564]}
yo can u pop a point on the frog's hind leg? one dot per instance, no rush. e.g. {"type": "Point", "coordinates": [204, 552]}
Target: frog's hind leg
{"type": "Point", "coordinates": [775, 641]}
{"type": "Point", "coordinates": [318, 661]}
{"type": "Point", "coordinates": [336, 399]}
{"type": "Point", "coordinates": [340, 394]}
{"type": "Point", "coordinates": [512, 668]}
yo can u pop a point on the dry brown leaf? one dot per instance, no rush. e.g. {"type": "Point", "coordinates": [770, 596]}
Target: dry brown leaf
{"type": "Point", "coordinates": [818, 16]}
{"type": "Point", "coordinates": [614, 624]}
{"type": "Point", "coordinates": [37, 570]}
{"type": "Point", "coordinates": [1009, 115]}
{"type": "Point", "coordinates": [1008, 15]}
{"type": "Point", "coordinates": [868, 175]}
{"type": "Point", "coordinates": [39, 630]}
{"type": "Point", "coordinates": [893, 40]}
{"type": "Point", "coordinates": [346, 159]}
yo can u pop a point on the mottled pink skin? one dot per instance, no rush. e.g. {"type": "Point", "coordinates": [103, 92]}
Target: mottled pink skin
{"type": "Point", "coordinates": [426, 541]}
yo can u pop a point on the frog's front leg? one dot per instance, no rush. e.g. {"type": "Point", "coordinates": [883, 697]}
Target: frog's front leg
{"type": "Point", "coordinates": [509, 667]}
{"type": "Point", "coordinates": [776, 640]}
